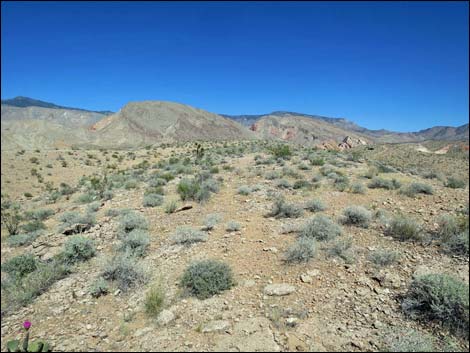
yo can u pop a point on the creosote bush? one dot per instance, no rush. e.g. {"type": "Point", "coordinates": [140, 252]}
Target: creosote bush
{"type": "Point", "coordinates": [20, 265]}
{"type": "Point", "coordinates": [315, 205]}
{"type": "Point", "coordinates": [188, 236]}
{"type": "Point", "coordinates": [301, 251]}
{"type": "Point", "coordinates": [455, 183]}
{"type": "Point", "coordinates": [403, 228]}
{"type": "Point", "coordinates": [130, 221]}
{"type": "Point", "coordinates": [124, 271]}
{"type": "Point", "coordinates": [152, 200]}
{"type": "Point", "coordinates": [321, 227]}
{"type": "Point", "coordinates": [439, 298]}
{"type": "Point", "coordinates": [99, 287]}
{"type": "Point", "coordinates": [417, 188]}
{"type": "Point", "coordinates": [135, 243]}
{"type": "Point", "coordinates": [381, 183]}
{"type": "Point", "coordinates": [206, 278]}
{"type": "Point", "coordinates": [78, 249]}
{"type": "Point", "coordinates": [356, 215]}
{"type": "Point", "coordinates": [232, 226]}
{"type": "Point", "coordinates": [281, 209]}
{"type": "Point", "coordinates": [383, 257]}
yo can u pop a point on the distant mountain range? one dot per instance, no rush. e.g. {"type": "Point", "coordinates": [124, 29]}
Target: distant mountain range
{"type": "Point", "coordinates": [28, 123]}
{"type": "Point", "coordinates": [23, 102]}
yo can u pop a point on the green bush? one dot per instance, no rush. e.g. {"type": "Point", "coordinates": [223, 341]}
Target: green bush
{"type": "Point", "coordinates": [321, 227]}
{"type": "Point", "coordinates": [33, 226]}
{"type": "Point", "coordinates": [417, 188]}
{"type": "Point", "coordinates": [86, 198]}
{"type": "Point", "coordinates": [358, 188]}
{"type": "Point", "coordinates": [232, 226]}
{"type": "Point", "coordinates": [98, 288]}
{"type": "Point", "coordinates": [171, 206]}
{"type": "Point", "coordinates": [281, 151]}
{"type": "Point", "coordinates": [453, 233]}
{"type": "Point", "coordinates": [356, 215]}
{"type": "Point", "coordinates": [152, 200]}
{"type": "Point", "coordinates": [342, 248]}
{"type": "Point", "coordinates": [381, 183]}
{"type": "Point", "coordinates": [198, 189]}
{"type": "Point", "coordinates": [188, 236]}
{"type": "Point", "coordinates": [39, 215]}
{"type": "Point", "coordinates": [408, 340]}
{"type": "Point", "coordinates": [124, 271]}
{"type": "Point", "coordinates": [70, 218]}
{"type": "Point", "coordinates": [455, 183]}
{"type": "Point", "coordinates": [315, 205]}
{"type": "Point", "coordinates": [154, 301]}
{"type": "Point", "coordinates": [281, 209]}
{"type": "Point", "coordinates": [439, 298]}
{"type": "Point", "coordinates": [403, 228]}
{"type": "Point", "coordinates": [78, 249]}
{"type": "Point", "coordinates": [20, 265]}
{"type": "Point", "coordinates": [211, 220]}
{"type": "Point", "coordinates": [23, 238]}
{"type": "Point", "coordinates": [383, 257]}
{"type": "Point", "coordinates": [301, 251]}
{"type": "Point", "coordinates": [135, 242]}
{"type": "Point", "coordinates": [244, 190]}
{"type": "Point", "coordinates": [130, 221]}
{"type": "Point", "coordinates": [205, 278]}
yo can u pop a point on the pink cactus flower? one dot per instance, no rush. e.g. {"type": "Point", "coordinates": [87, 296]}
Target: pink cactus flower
{"type": "Point", "coordinates": [27, 325]}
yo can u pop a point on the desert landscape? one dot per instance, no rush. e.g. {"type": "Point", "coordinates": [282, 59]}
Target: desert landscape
{"type": "Point", "coordinates": [163, 227]}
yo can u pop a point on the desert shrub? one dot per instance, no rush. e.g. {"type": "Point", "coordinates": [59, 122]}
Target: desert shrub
{"type": "Point", "coordinates": [205, 278]}
{"type": "Point", "coordinates": [171, 206]}
{"type": "Point", "coordinates": [283, 184]}
{"type": "Point", "coordinates": [301, 251]}
{"type": "Point", "coordinates": [439, 298]}
{"type": "Point", "coordinates": [315, 205]}
{"type": "Point", "coordinates": [211, 220]}
{"type": "Point", "coordinates": [408, 340]}
{"type": "Point", "coordinates": [18, 293]}
{"type": "Point", "coordinates": [321, 227]}
{"type": "Point", "coordinates": [157, 182]}
{"type": "Point", "coordinates": [342, 248]}
{"type": "Point", "coordinates": [383, 257]}
{"type": "Point", "coordinates": [244, 190]}
{"type": "Point", "coordinates": [124, 271]}
{"type": "Point", "coordinates": [130, 221]}
{"type": "Point", "coordinates": [358, 188]}
{"type": "Point", "coordinates": [98, 288]}
{"type": "Point", "coordinates": [416, 188]}
{"type": "Point", "coordinates": [78, 249]}
{"type": "Point", "coordinates": [281, 151]}
{"type": "Point", "coordinates": [152, 200]}
{"type": "Point", "coordinates": [135, 242]}
{"type": "Point", "coordinates": [65, 189]}
{"type": "Point", "coordinates": [154, 300]}
{"type": "Point", "coordinates": [39, 215]}
{"type": "Point", "coordinates": [188, 236]}
{"type": "Point", "coordinates": [453, 234]}
{"type": "Point", "coordinates": [86, 198]}
{"type": "Point", "coordinates": [458, 243]}
{"type": "Point", "coordinates": [272, 175]}
{"type": "Point", "coordinates": [403, 228]}
{"type": "Point", "coordinates": [114, 212]}
{"type": "Point", "coordinates": [455, 183]}
{"type": "Point", "coordinates": [371, 173]}
{"type": "Point", "coordinates": [197, 189]}
{"type": "Point", "coordinates": [93, 207]}
{"type": "Point", "coordinates": [281, 209]}
{"type": "Point", "coordinates": [302, 184]}
{"type": "Point", "coordinates": [130, 184]}
{"type": "Point", "coordinates": [303, 166]}
{"type": "Point", "coordinates": [33, 226]}
{"type": "Point", "coordinates": [431, 175]}
{"type": "Point", "coordinates": [11, 215]}
{"type": "Point", "coordinates": [70, 218]}
{"type": "Point", "coordinates": [20, 265]}
{"type": "Point", "coordinates": [317, 161]}
{"type": "Point", "coordinates": [356, 215]}
{"type": "Point", "coordinates": [22, 238]}
{"type": "Point", "coordinates": [381, 183]}
{"type": "Point", "coordinates": [232, 226]}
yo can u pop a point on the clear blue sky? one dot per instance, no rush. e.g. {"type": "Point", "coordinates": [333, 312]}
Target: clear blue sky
{"type": "Point", "coordinates": [401, 66]}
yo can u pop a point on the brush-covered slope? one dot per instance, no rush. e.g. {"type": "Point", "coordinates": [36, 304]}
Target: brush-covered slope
{"type": "Point", "coordinates": [148, 122]}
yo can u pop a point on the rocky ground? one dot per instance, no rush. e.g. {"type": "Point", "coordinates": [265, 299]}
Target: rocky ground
{"type": "Point", "coordinates": [326, 304]}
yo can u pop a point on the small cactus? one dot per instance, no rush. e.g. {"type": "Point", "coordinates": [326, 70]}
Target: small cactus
{"type": "Point", "coordinates": [199, 150]}
{"type": "Point", "coordinates": [27, 346]}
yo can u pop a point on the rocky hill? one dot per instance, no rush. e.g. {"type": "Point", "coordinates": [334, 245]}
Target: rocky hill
{"type": "Point", "coordinates": [380, 136]}
{"type": "Point", "coordinates": [141, 123]}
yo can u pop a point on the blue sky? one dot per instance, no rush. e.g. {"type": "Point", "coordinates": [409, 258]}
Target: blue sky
{"type": "Point", "coordinates": [400, 66]}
